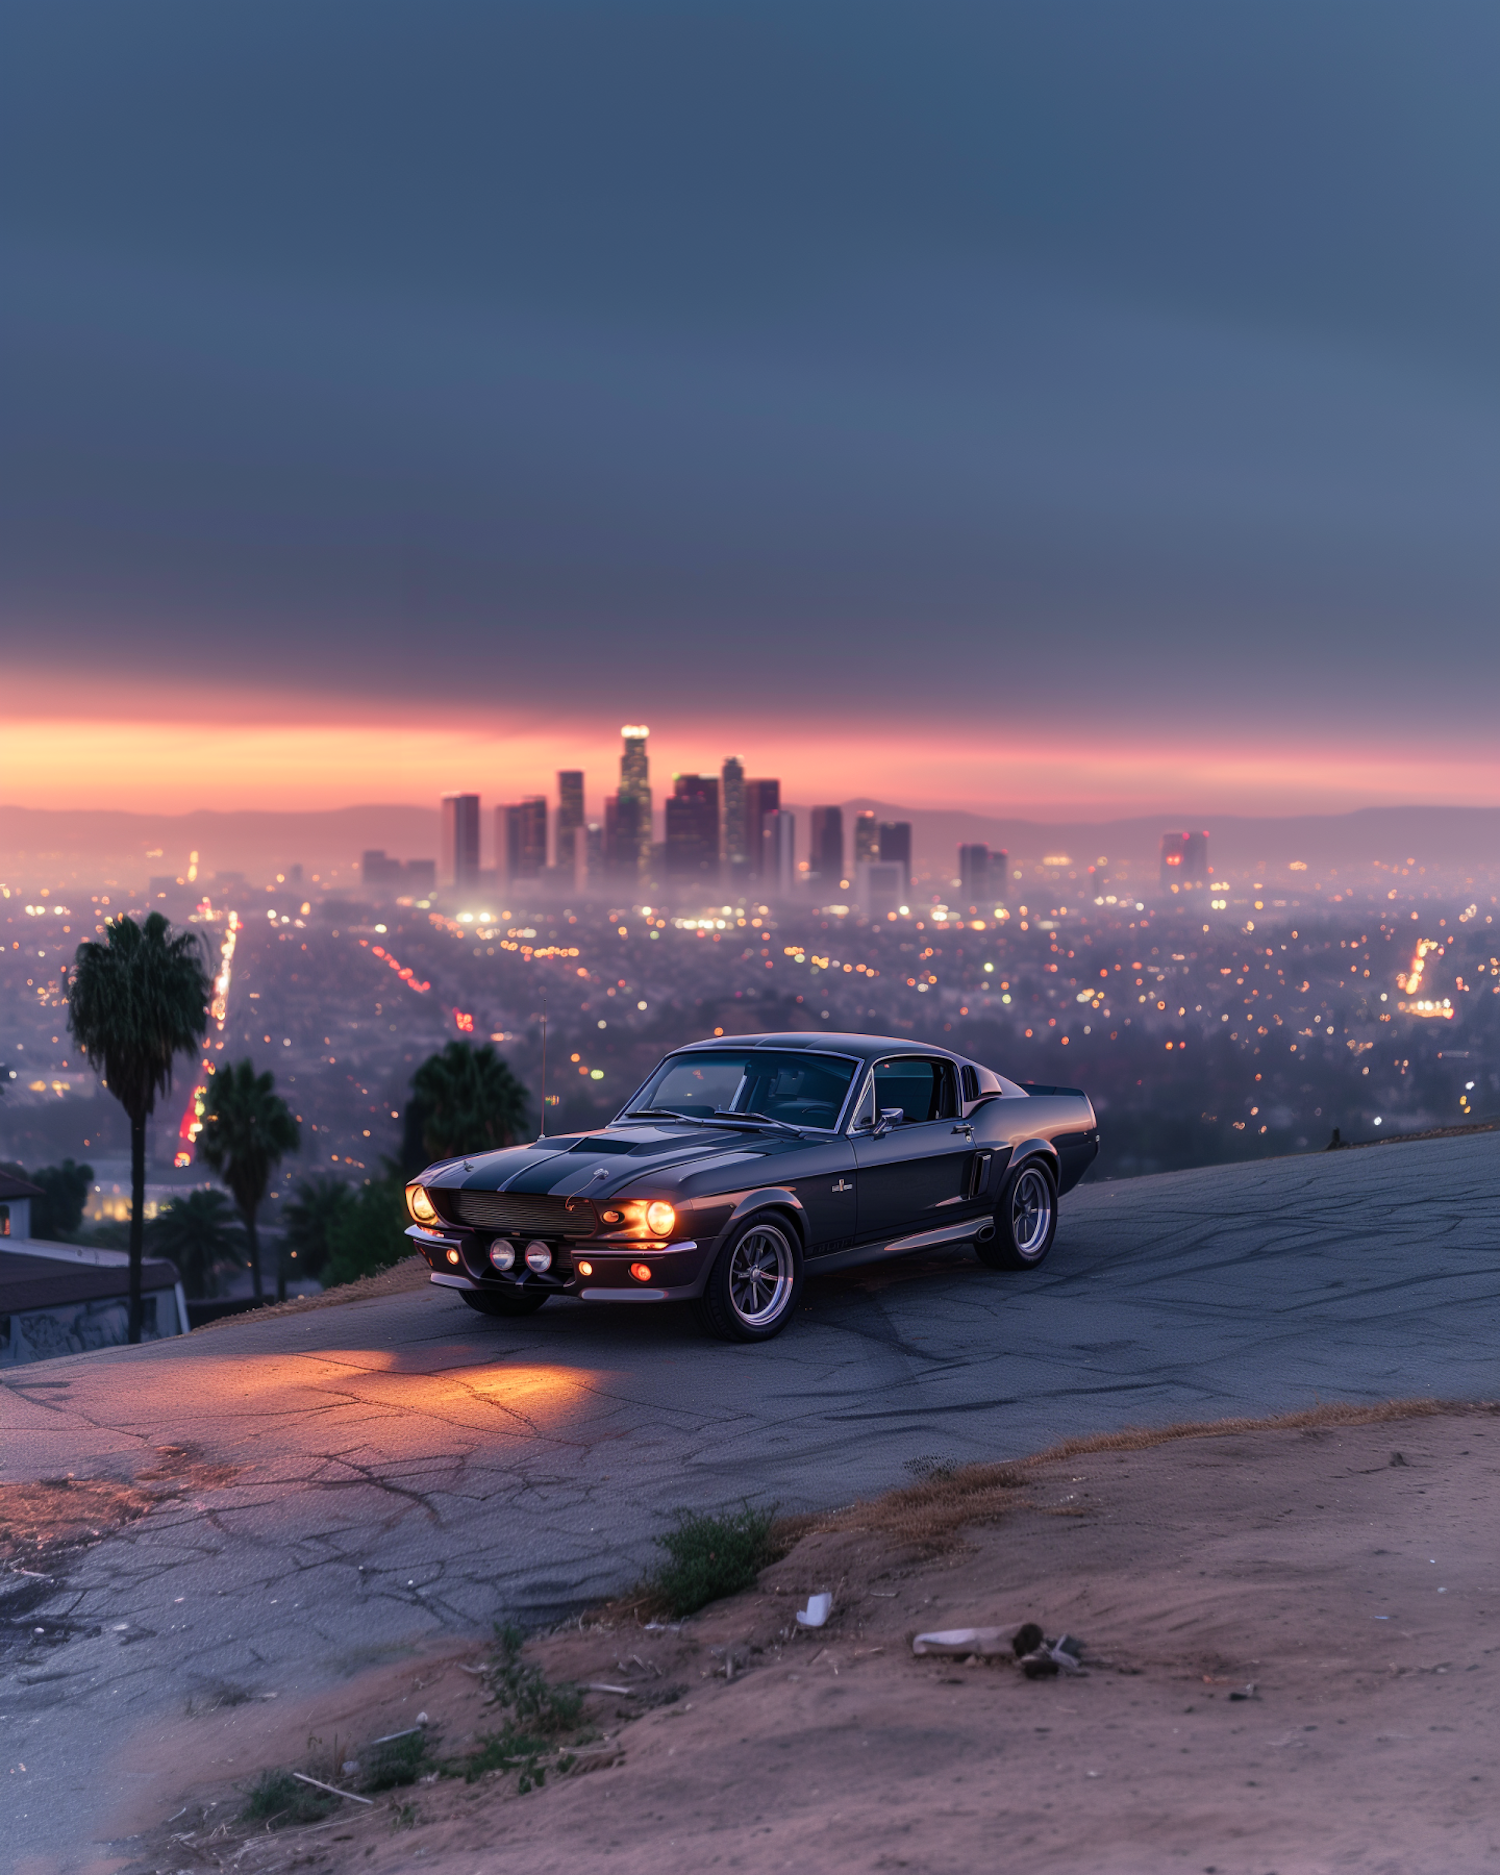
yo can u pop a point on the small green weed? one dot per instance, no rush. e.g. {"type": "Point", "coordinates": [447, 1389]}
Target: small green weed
{"type": "Point", "coordinates": [538, 1712]}
{"type": "Point", "coordinates": [527, 1691]}
{"type": "Point", "coordinates": [710, 1557]}
{"type": "Point", "coordinates": [278, 1798]}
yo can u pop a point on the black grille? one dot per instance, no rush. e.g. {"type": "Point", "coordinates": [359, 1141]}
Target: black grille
{"type": "Point", "coordinates": [516, 1211]}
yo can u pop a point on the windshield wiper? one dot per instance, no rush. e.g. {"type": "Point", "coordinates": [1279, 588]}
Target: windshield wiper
{"type": "Point", "coordinates": [666, 1113]}
{"type": "Point", "coordinates": [761, 1119]}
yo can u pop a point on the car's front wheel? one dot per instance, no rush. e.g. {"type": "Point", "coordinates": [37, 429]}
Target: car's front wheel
{"type": "Point", "coordinates": [505, 1301]}
{"type": "Point", "coordinates": [754, 1284]}
{"type": "Point", "coordinates": [1025, 1220]}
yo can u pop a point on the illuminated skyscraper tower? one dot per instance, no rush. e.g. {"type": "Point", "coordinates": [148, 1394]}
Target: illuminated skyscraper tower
{"type": "Point", "coordinates": [627, 814]}
{"type": "Point", "coordinates": [735, 846]}
{"type": "Point", "coordinates": [866, 837]}
{"type": "Point", "coordinates": [633, 813]}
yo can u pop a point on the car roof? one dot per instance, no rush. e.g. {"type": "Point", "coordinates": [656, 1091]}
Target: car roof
{"type": "Point", "coordinates": [864, 1047]}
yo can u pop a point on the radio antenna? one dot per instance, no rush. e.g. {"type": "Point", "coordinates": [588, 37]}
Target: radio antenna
{"type": "Point", "coordinates": [543, 1133]}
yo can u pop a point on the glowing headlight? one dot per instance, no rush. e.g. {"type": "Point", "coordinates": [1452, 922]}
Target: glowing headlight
{"type": "Point", "coordinates": [420, 1205]}
{"type": "Point", "coordinates": [503, 1255]}
{"type": "Point", "coordinates": [660, 1218]}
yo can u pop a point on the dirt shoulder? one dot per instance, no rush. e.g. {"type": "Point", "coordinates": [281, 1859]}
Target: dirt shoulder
{"type": "Point", "coordinates": [1338, 1567]}
{"type": "Point", "coordinates": [410, 1273]}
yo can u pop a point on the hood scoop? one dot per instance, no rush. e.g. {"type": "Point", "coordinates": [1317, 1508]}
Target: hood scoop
{"type": "Point", "coordinates": [602, 1144]}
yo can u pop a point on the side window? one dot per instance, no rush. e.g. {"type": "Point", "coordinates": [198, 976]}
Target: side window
{"type": "Point", "coordinates": [923, 1089]}
{"type": "Point", "coordinates": [970, 1079]}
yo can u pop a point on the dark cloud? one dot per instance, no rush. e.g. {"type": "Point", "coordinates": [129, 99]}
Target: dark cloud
{"type": "Point", "coordinates": [898, 354]}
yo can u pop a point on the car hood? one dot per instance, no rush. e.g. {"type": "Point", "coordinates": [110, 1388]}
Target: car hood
{"type": "Point", "coordinates": [608, 1163]}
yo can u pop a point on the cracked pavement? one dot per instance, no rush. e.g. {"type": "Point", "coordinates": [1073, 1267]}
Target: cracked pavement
{"type": "Point", "coordinates": [342, 1486]}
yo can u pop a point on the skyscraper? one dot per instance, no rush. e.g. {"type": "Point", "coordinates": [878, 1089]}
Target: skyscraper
{"type": "Point", "coordinates": [521, 838]}
{"type": "Point", "coordinates": [693, 828]}
{"type": "Point", "coordinates": [974, 863]}
{"type": "Point", "coordinates": [569, 820]}
{"type": "Point", "coordinates": [635, 784]}
{"type": "Point", "coordinates": [734, 843]}
{"type": "Point", "coordinates": [825, 852]}
{"type": "Point", "coordinates": [895, 846]}
{"type": "Point", "coordinates": [762, 798]}
{"type": "Point", "coordinates": [459, 861]}
{"type": "Point", "coordinates": [866, 836]}
{"type": "Point", "coordinates": [1184, 861]}
{"type": "Point", "coordinates": [779, 852]}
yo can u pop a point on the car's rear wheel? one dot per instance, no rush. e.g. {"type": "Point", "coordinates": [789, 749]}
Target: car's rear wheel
{"type": "Point", "coordinates": [505, 1301]}
{"type": "Point", "coordinates": [1025, 1220]}
{"type": "Point", "coordinates": [754, 1284]}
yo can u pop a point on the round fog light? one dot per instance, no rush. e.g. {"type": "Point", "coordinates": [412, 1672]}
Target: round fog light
{"type": "Point", "coordinates": [641, 1272]}
{"type": "Point", "coordinates": [585, 1269]}
{"type": "Point", "coordinates": [660, 1217]}
{"type": "Point", "coordinates": [452, 1256]}
{"type": "Point", "coordinates": [503, 1256]}
{"type": "Point", "coordinates": [538, 1257]}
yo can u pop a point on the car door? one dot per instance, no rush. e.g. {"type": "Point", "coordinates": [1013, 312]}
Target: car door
{"type": "Point", "coordinates": [914, 1177]}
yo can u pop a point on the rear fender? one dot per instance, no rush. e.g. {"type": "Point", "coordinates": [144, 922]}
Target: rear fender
{"type": "Point", "coordinates": [1028, 1152]}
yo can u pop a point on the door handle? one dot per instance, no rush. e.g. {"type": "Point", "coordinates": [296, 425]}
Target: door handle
{"type": "Point", "coordinates": [965, 1128]}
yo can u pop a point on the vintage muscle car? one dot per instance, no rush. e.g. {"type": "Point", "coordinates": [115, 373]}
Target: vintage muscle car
{"type": "Point", "coordinates": [743, 1162]}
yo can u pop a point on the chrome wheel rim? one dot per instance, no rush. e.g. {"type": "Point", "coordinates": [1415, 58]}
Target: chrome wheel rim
{"type": "Point", "coordinates": [760, 1276]}
{"type": "Point", "coordinates": [1031, 1213]}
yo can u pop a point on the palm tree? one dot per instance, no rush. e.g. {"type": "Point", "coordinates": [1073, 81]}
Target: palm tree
{"type": "Point", "coordinates": [198, 1232]}
{"type": "Point", "coordinates": [248, 1129]}
{"type": "Point", "coordinates": [316, 1209]}
{"type": "Point", "coordinates": [471, 1102]}
{"type": "Point", "coordinates": [134, 1003]}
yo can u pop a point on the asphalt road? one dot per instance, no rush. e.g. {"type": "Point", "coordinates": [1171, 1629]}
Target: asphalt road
{"type": "Point", "coordinates": [403, 1467]}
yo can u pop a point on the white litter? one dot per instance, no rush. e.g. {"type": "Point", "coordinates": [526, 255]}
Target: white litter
{"type": "Point", "coordinates": [958, 1641]}
{"type": "Point", "coordinates": [817, 1611]}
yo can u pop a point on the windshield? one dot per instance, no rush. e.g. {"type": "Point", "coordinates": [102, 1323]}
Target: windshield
{"type": "Point", "coordinates": [796, 1088]}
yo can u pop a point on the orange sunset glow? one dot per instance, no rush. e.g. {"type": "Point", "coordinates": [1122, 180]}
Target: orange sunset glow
{"type": "Point", "coordinates": [171, 766]}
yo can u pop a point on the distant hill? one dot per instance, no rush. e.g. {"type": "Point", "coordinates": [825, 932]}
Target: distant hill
{"type": "Point", "coordinates": [1446, 839]}
{"type": "Point", "coordinates": [41, 844]}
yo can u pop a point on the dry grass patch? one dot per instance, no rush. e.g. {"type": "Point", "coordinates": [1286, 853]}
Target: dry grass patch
{"type": "Point", "coordinates": [409, 1274]}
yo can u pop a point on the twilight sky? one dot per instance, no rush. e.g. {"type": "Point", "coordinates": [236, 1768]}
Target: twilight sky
{"type": "Point", "coordinates": [1068, 406]}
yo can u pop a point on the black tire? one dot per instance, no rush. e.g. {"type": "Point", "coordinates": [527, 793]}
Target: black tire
{"type": "Point", "coordinates": [505, 1301]}
{"type": "Point", "coordinates": [755, 1281]}
{"type": "Point", "coordinates": [1025, 1219]}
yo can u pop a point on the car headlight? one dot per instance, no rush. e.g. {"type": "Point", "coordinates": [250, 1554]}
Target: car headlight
{"type": "Point", "coordinates": [661, 1219]}
{"type": "Point", "coordinates": [420, 1205]}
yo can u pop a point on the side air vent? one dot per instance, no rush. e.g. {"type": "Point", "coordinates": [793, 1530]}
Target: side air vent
{"type": "Point", "coordinates": [517, 1211]}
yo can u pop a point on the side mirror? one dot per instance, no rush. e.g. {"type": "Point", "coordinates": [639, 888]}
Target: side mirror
{"type": "Point", "coordinates": [889, 1117]}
